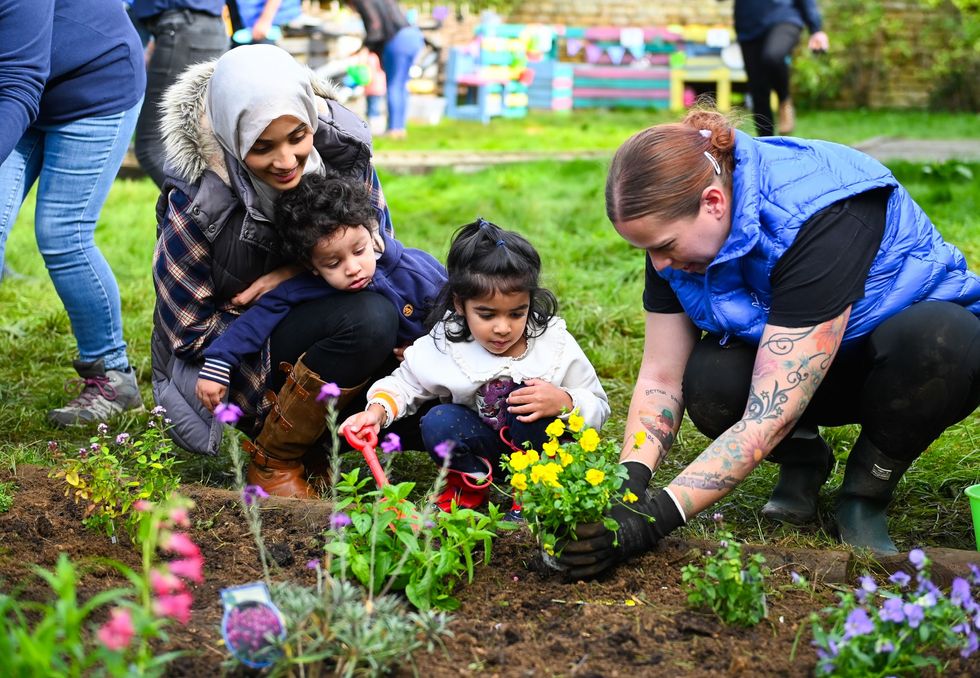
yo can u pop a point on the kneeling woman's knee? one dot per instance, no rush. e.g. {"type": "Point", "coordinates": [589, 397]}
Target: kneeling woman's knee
{"type": "Point", "coordinates": [716, 384]}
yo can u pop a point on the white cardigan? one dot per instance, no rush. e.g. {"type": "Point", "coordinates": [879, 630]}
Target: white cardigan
{"type": "Point", "coordinates": [454, 371]}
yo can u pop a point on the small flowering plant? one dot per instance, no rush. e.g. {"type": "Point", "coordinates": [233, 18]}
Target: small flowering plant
{"type": "Point", "coordinates": [727, 582]}
{"type": "Point", "coordinates": [900, 627]}
{"type": "Point", "coordinates": [115, 472]}
{"type": "Point", "coordinates": [573, 480]}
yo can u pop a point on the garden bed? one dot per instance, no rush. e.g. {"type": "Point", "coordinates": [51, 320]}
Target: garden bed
{"type": "Point", "coordinates": [517, 618]}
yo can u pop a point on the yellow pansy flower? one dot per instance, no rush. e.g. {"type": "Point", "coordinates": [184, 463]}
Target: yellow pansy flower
{"type": "Point", "coordinates": [555, 428]}
{"type": "Point", "coordinates": [575, 422]}
{"type": "Point", "coordinates": [519, 481]}
{"type": "Point", "coordinates": [550, 448]}
{"type": "Point", "coordinates": [629, 497]}
{"type": "Point", "coordinates": [548, 548]}
{"type": "Point", "coordinates": [519, 461]}
{"type": "Point", "coordinates": [594, 476]}
{"type": "Point", "coordinates": [639, 438]}
{"type": "Point", "coordinates": [589, 440]}
{"type": "Point", "coordinates": [532, 456]}
{"type": "Point", "coordinates": [565, 458]}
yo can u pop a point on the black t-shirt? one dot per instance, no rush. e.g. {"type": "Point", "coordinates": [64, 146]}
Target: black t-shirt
{"type": "Point", "coordinates": [821, 273]}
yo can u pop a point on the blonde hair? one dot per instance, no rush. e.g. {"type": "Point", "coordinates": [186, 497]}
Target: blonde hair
{"type": "Point", "coordinates": [662, 170]}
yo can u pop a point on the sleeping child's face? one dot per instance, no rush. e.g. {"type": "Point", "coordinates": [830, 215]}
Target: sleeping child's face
{"type": "Point", "coordinates": [346, 259]}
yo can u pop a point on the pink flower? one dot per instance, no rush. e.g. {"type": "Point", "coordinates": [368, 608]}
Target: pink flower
{"type": "Point", "coordinates": [177, 606]}
{"type": "Point", "coordinates": [189, 568]}
{"type": "Point", "coordinates": [165, 582]}
{"type": "Point", "coordinates": [328, 392]}
{"type": "Point", "coordinates": [181, 544]}
{"type": "Point", "coordinates": [178, 516]}
{"type": "Point", "coordinates": [227, 413]}
{"type": "Point", "coordinates": [142, 505]}
{"type": "Point", "coordinates": [117, 633]}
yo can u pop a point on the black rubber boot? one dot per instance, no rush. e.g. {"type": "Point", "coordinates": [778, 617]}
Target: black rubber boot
{"type": "Point", "coordinates": [870, 479]}
{"type": "Point", "coordinates": [805, 461]}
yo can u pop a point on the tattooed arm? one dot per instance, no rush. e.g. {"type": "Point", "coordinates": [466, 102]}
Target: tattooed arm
{"type": "Point", "coordinates": [657, 406]}
{"type": "Point", "coordinates": [789, 366]}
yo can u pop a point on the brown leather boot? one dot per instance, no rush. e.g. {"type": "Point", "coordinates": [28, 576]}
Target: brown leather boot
{"type": "Point", "coordinates": [317, 459]}
{"type": "Point", "coordinates": [295, 423]}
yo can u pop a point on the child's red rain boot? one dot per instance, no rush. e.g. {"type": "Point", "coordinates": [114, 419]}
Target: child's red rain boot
{"type": "Point", "coordinates": [465, 489]}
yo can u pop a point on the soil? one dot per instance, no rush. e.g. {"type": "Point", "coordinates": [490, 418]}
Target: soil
{"type": "Point", "coordinates": [517, 618]}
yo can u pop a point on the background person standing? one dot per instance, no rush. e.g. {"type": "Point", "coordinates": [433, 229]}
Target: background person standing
{"type": "Point", "coordinates": [71, 85]}
{"type": "Point", "coordinates": [389, 35]}
{"type": "Point", "coordinates": [184, 32]}
{"type": "Point", "coordinates": [768, 32]}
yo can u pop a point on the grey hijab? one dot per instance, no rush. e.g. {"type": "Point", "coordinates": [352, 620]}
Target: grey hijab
{"type": "Point", "coordinates": [251, 86]}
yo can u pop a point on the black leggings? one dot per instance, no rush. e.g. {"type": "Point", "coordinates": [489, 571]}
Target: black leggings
{"type": "Point", "coordinates": [914, 376]}
{"type": "Point", "coordinates": [767, 69]}
{"type": "Point", "coordinates": [347, 338]}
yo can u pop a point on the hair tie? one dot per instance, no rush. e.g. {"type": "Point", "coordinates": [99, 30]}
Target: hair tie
{"type": "Point", "coordinates": [706, 133]}
{"type": "Point", "coordinates": [500, 243]}
{"type": "Point", "coordinates": [483, 223]}
{"type": "Point", "coordinates": [714, 162]}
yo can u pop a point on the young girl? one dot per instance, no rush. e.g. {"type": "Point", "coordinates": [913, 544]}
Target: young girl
{"type": "Point", "coordinates": [503, 365]}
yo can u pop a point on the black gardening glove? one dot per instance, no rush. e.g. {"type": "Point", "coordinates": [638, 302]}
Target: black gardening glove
{"type": "Point", "coordinates": [595, 549]}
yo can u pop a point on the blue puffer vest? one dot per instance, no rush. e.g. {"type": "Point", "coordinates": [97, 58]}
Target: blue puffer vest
{"type": "Point", "coordinates": [779, 183]}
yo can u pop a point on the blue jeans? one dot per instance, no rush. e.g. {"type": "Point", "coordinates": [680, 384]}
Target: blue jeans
{"type": "Point", "coordinates": [396, 60]}
{"type": "Point", "coordinates": [473, 438]}
{"type": "Point", "coordinates": [181, 38]}
{"type": "Point", "coordinates": [74, 165]}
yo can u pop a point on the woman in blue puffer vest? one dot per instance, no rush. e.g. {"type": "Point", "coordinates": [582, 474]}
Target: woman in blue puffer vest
{"type": "Point", "coordinates": [776, 266]}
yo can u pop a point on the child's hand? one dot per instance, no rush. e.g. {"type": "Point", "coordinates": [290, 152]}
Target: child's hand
{"type": "Point", "coordinates": [538, 399]}
{"type": "Point", "coordinates": [361, 423]}
{"type": "Point", "coordinates": [210, 393]}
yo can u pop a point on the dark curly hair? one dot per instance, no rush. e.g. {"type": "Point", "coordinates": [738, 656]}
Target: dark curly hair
{"type": "Point", "coordinates": [484, 258]}
{"type": "Point", "coordinates": [319, 207]}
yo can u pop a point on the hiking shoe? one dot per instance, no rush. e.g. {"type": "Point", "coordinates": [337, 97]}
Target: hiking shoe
{"type": "Point", "coordinates": [105, 393]}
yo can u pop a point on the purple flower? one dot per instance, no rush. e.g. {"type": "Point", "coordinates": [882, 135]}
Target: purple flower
{"type": "Point", "coordinates": [797, 578]}
{"type": "Point", "coordinates": [391, 443]}
{"type": "Point", "coordinates": [892, 611]}
{"type": "Point", "coordinates": [328, 391]}
{"type": "Point", "coordinates": [718, 518]}
{"type": "Point", "coordinates": [914, 614]}
{"type": "Point", "coordinates": [428, 524]}
{"type": "Point", "coordinates": [960, 593]}
{"type": "Point", "coordinates": [445, 449]}
{"type": "Point", "coordinates": [900, 578]}
{"type": "Point", "coordinates": [339, 521]}
{"type": "Point", "coordinates": [312, 564]}
{"type": "Point", "coordinates": [971, 645]}
{"type": "Point", "coordinates": [158, 410]}
{"type": "Point", "coordinates": [227, 413]}
{"type": "Point", "coordinates": [868, 587]}
{"type": "Point", "coordinates": [122, 438]}
{"type": "Point", "coordinates": [883, 646]}
{"type": "Point", "coordinates": [927, 599]}
{"type": "Point", "coordinates": [857, 624]}
{"type": "Point", "coordinates": [102, 428]}
{"type": "Point", "coordinates": [52, 446]}
{"type": "Point", "coordinates": [252, 493]}
{"type": "Point", "coordinates": [95, 447]}
{"type": "Point", "coordinates": [973, 569]}
{"type": "Point", "coordinates": [918, 558]}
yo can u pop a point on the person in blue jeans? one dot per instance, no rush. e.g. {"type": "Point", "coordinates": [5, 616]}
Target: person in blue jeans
{"type": "Point", "coordinates": [71, 85]}
{"type": "Point", "coordinates": [389, 35]}
{"type": "Point", "coordinates": [184, 32]}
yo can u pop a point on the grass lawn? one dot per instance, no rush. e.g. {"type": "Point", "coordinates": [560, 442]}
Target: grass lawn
{"type": "Point", "coordinates": [596, 276]}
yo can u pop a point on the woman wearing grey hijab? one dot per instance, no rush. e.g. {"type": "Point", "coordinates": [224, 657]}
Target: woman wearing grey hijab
{"type": "Point", "coordinates": [238, 132]}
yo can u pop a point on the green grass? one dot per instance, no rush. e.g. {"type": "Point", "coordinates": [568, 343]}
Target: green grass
{"type": "Point", "coordinates": [597, 277]}
{"type": "Point", "coordinates": [606, 130]}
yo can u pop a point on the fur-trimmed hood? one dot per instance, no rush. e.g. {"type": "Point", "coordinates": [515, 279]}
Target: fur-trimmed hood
{"type": "Point", "coordinates": [190, 145]}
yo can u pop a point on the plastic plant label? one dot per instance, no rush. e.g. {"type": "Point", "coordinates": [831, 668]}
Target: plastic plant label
{"type": "Point", "coordinates": [252, 626]}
